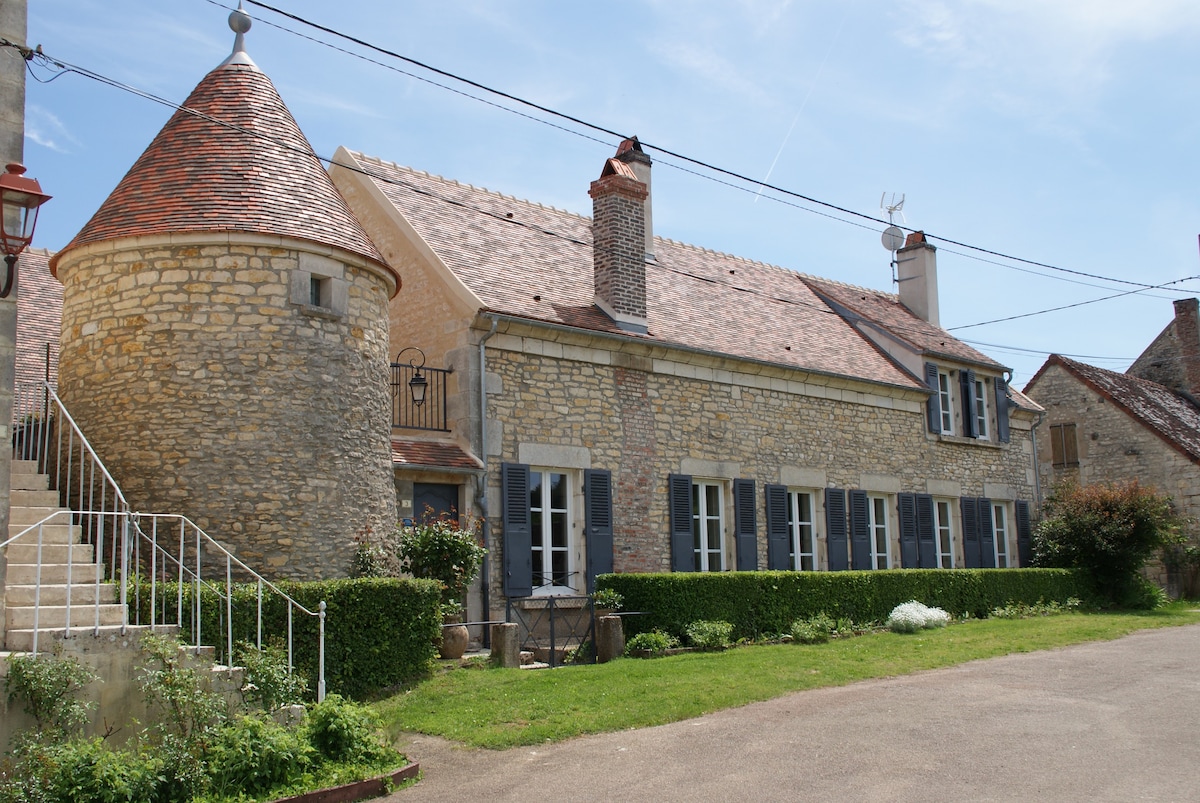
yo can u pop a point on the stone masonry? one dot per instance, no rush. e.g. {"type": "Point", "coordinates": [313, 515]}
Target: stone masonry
{"type": "Point", "coordinates": [209, 391]}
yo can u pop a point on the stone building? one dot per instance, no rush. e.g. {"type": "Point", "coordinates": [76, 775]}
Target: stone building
{"type": "Point", "coordinates": [224, 334]}
{"type": "Point", "coordinates": [620, 401]}
{"type": "Point", "coordinates": [1144, 424]}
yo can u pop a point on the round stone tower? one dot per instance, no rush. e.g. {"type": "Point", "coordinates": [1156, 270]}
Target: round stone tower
{"type": "Point", "coordinates": [225, 334]}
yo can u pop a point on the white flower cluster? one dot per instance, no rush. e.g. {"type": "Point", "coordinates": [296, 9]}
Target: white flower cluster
{"type": "Point", "coordinates": [909, 617]}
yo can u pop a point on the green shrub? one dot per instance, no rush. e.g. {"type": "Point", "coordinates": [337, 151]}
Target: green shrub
{"type": "Point", "coordinates": [440, 549]}
{"type": "Point", "coordinates": [253, 754]}
{"type": "Point", "coordinates": [813, 630]}
{"type": "Point", "coordinates": [267, 680]}
{"type": "Point", "coordinates": [759, 604]}
{"type": "Point", "coordinates": [1109, 531]}
{"type": "Point", "coordinates": [379, 632]}
{"type": "Point", "coordinates": [49, 687]}
{"type": "Point", "coordinates": [80, 771]}
{"type": "Point", "coordinates": [655, 642]}
{"type": "Point", "coordinates": [342, 730]}
{"type": "Point", "coordinates": [706, 635]}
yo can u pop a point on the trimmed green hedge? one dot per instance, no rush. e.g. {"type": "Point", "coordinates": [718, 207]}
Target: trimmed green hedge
{"type": "Point", "coordinates": [766, 603]}
{"type": "Point", "coordinates": [378, 631]}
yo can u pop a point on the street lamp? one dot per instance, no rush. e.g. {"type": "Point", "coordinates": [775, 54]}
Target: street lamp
{"type": "Point", "coordinates": [20, 198]}
{"type": "Point", "coordinates": [418, 384]}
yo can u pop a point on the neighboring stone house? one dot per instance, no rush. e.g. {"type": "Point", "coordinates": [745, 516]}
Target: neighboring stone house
{"type": "Point", "coordinates": [1104, 426]}
{"type": "Point", "coordinates": [620, 401]}
{"type": "Point", "coordinates": [39, 315]}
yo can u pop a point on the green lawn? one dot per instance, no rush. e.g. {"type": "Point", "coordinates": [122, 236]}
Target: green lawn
{"type": "Point", "coordinates": [498, 708]}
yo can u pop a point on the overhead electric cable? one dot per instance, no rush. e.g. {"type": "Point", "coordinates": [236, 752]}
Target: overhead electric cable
{"type": "Point", "coordinates": [691, 160]}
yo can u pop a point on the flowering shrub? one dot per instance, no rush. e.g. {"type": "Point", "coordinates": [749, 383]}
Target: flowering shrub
{"type": "Point", "coordinates": [909, 617]}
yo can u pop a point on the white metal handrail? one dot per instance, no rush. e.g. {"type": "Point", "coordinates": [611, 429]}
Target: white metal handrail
{"type": "Point", "coordinates": [45, 432]}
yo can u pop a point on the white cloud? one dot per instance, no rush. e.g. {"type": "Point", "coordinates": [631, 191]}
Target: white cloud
{"type": "Point", "coordinates": [43, 128]}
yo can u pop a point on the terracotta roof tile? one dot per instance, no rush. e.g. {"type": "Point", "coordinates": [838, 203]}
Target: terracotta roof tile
{"type": "Point", "coordinates": [886, 310]}
{"type": "Point", "coordinates": [1170, 415]}
{"type": "Point", "coordinates": [528, 260]}
{"type": "Point", "coordinates": [241, 164]}
{"type": "Point", "coordinates": [432, 454]}
{"type": "Point", "coordinates": [39, 317]}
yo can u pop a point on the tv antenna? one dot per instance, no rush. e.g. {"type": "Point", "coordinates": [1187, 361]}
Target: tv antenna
{"type": "Point", "coordinates": [893, 235]}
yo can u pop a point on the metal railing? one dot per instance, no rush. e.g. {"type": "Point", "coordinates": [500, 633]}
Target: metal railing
{"type": "Point", "coordinates": [430, 414]}
{"type": "Point", "coordinates": [555, 628]}
{"type": "Point", "coordinates": [124, 549]}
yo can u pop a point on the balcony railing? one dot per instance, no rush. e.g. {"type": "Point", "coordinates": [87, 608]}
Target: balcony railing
{"type": "Point", "coordinates": [431, 413]}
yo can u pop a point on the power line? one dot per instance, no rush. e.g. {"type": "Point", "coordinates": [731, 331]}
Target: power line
{"type": "Point", "coordinates": [683, 157]}
{"type": "Point", "coordinates": [86, 73]}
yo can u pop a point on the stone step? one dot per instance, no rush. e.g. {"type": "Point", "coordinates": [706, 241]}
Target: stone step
{"type": "Point", "coordinates": [51, 616]}
{"type": "Point", "coordinates": [24, 466]}
{"type": "Point", "coordinates": [21, 640]}
{"type": "Point", "coordinates": [81, 594]}
{"type": "Point", "coordinates": [23, 497]}
{"type": "Point", "coordinates": [21, 481]}
{"type": "Point", "coordinates": [53, 573]}
{"type": "Point", "coordinates": [51, 533]}
{"type": "Point", "coordinates": [25, 552]}
{"type": "Point", "coordinates": [32, 514]}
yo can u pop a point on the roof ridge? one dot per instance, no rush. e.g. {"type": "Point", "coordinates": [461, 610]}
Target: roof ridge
{"type": "Point", "coordinates": [494, 193]}
{"type": "Point", "coordinates": [1120, 374]}
{"type": "Point", "coordinates": [848, 286]}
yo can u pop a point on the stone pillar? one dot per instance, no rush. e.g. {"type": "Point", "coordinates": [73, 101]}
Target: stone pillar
{"type": "Point", "coordinates": [12, 147]}
{"type": "Point", "coordinates": [506, 647]}
{"type": "Point", "coordinates": [610, 639]}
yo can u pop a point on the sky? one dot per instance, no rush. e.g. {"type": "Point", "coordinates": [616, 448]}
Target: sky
{"type": "Point", "coordinates": [1062, 133]}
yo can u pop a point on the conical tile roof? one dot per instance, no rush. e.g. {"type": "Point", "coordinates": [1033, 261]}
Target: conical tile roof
{"type": "Point", "coordinates": [232, 159]}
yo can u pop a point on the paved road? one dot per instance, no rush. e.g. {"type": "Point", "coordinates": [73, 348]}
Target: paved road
{"type": "Point", "coordinates": [1112, 721]}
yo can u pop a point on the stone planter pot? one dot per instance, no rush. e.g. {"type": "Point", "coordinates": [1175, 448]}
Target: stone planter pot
{"type": "Point", "coordinates": [454, 638]}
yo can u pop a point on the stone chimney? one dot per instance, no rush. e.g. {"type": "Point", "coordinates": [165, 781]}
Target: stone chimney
{"type": "Point", "coordinates": [630, 152]}
{"type": "Point", "coordinates": [1187, 334]}
{"type": "Point", "coordinates": [916, 269]}
{"type": "Point", "coordinates": [618, 245]}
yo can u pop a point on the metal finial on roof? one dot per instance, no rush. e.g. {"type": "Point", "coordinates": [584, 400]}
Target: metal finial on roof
{"type": "Point", "coordinates": [239, 23]}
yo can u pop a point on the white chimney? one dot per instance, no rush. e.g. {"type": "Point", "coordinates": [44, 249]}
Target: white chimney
{"type": "Point", "coordinates": [916, 271]}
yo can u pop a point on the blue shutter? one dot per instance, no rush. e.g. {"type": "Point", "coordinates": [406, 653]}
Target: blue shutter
{"type": "Point", "coordinates": [907, 504]}
{"type": "Point", "coordinates": [745, 525]}
{"type": "Point", "coordinates": [970, 538]}
{"type": "Point", "coordinates": [1024, 544]}
{"type": "Point", "coordinates": [966, 386]}
{"type": "Point", "coordinates": [518, 543]}
{"type": "Point", "coordinates": [835, 529]}
{"type": "Point", "coordinates": [927, 545]}
{"type": "Point", "coordinates": [778, 535]}
{"type": "Point", "coordinates": [683, 555]}
{"type": "Point", "coordinates": [987, 536]}
{"type": "Point", "coordinates": [933, 407]}
{"type": "Point", "coordinates": [1002, 405]}
{"type": "Point", "coordinates": [860, 531]}
{"type": "Point", "coordinates": [598, 523]}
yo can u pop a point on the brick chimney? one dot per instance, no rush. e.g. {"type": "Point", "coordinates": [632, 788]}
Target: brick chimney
{"type": "Point", "coordinates": [1187, 334]}
{"type": "Point", "coordinates": [618, 245]}
{"type": "Point", "coordinates": [916, 272]}
{"type": "Point", "coordinates": [630, 152]}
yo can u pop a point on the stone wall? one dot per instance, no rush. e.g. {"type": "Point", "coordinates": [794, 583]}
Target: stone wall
{"type": "Point", "coordinates": [210, 389]}
{"type": "Point", "coordinates": [576, 402]}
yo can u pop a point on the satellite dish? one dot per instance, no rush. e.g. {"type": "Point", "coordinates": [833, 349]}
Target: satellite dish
{"type": "Point", "coordinates": [893, 238]}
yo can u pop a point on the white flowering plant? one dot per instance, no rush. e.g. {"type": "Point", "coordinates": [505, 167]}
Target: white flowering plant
{"type": "Point", "coordinates": [909, 617]}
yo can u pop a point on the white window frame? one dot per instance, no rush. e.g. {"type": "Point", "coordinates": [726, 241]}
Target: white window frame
{"type": "Point", "coordinates": [704, 521]}
{"type": "Point", "coordinates": [943, 525]}
{"type": "Point", "coordinates": [879, 531]}
{"type": "Point", "coordinates": [979, 407]}
{"type": "Point", "coordinates": [800, 560]}
{"type": "Point", "coordinates": [539, 483]}
{"type": "Point", "coordinates": [1000, 535]}
{"type": "Point", "coordinates": [946, 400]}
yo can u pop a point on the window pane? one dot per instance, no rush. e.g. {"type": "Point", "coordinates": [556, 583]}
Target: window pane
{"type": "Point", "coordinates": [558, 491]}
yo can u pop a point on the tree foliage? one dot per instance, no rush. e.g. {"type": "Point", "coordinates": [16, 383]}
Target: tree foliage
{"type": "Point", "coordinates": [1110, 530]}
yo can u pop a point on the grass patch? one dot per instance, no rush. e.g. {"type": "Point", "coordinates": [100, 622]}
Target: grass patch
{"type": "Point", "coordinates": [502, 708]}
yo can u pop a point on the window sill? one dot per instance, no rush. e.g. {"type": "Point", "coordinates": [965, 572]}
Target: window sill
{"type": "Point", "coordinates": [566, 599]}
{"type": "Point", "coordinates": [319, 312]}
{"type": "Point", "coordinates": [987, 444]}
